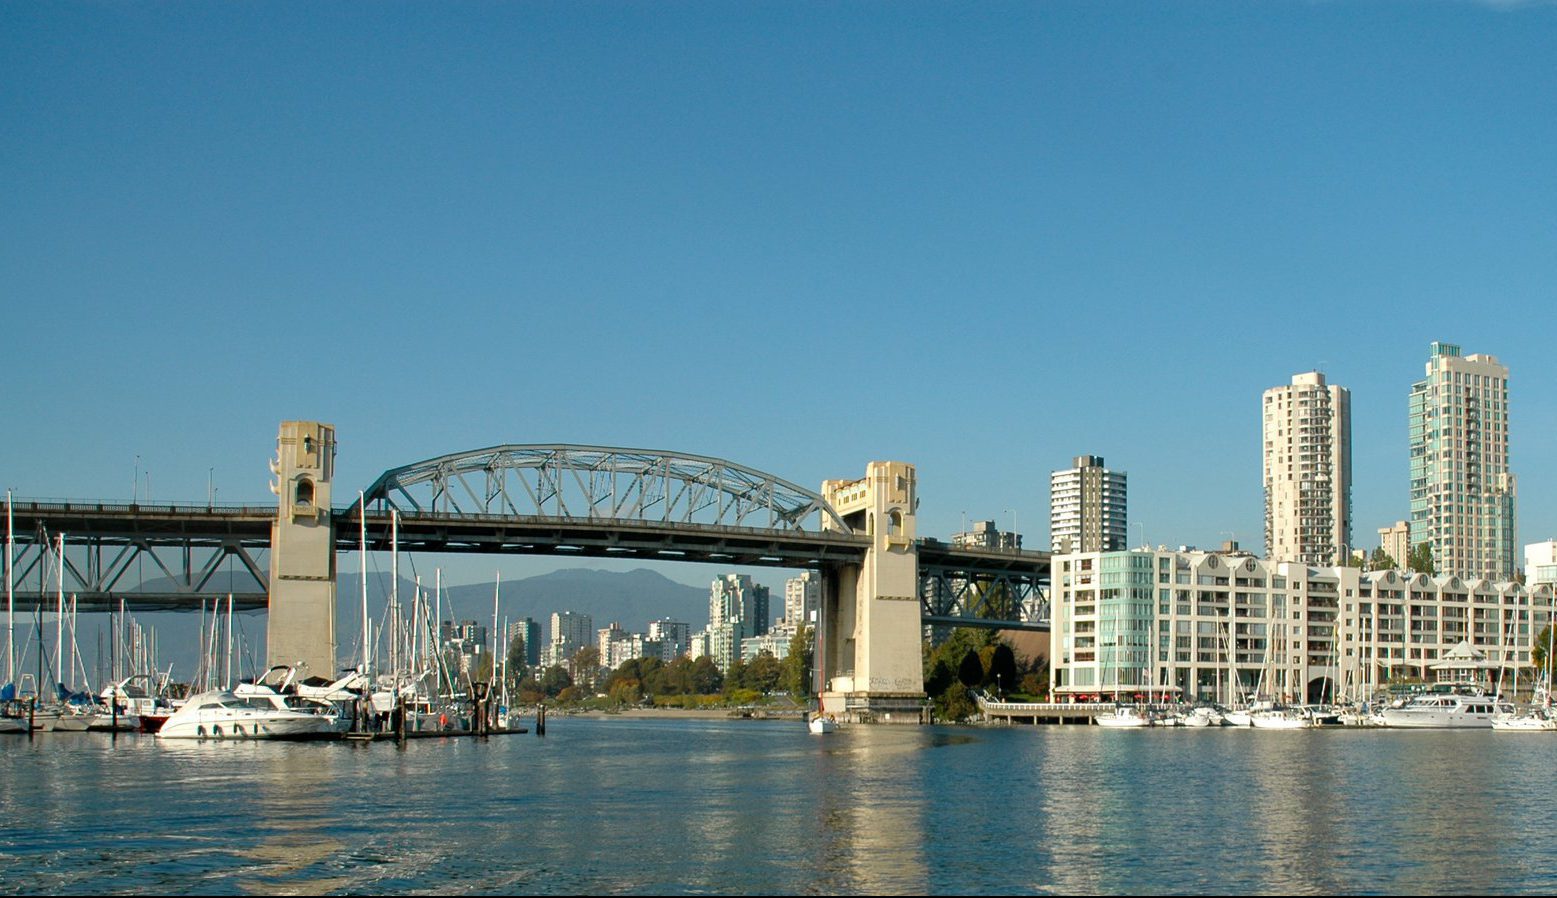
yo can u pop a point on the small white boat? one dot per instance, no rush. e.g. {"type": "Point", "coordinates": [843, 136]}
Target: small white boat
{"type": "Point", "coordinates": [1536, 721]}
{"type": "Point", "coordinates": [820, 725]}
{"type": "Point", "coordinates": [1280, 719]}
{"type": "Point", "coordinates": [1123, 717]}
{"type": "Point", "coordinates": [1203, 717]}
{"type": "Point", "coordinates": [13, 725]}
{"type": "Point", "coordinates": [254, 715]}
{"type": "Point", "coordinates": [1238, 718]}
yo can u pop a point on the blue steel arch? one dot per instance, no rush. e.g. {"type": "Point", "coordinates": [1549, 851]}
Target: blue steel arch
{"type": "Point", "coordinates": [601, 483]}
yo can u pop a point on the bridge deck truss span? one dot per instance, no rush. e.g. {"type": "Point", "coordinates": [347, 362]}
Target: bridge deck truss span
{"type": "Point", "coordinates": [152, 557]}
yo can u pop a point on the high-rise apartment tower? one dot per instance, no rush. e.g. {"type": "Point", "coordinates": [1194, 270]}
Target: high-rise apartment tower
{"type": "Point", "coordinates": [1462, 492]}
{"type": "Point", "coordinates": [1087, 511]}
{"type": "Point", "coordinates": [1308, 471]}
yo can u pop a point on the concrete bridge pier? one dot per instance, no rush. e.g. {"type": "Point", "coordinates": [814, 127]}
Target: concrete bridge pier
{"type": "Point", "coordinates": [301, 622]}
{"type": "Point", "coordinates": [870, 658]}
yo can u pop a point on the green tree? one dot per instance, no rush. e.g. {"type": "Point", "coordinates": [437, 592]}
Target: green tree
{"type": "Point", "coordinates": [517, 664]}
{"type": "Point", "coordinates": [763, 673]}
{"type": "Point", "coordinates": [1381, 561]}
{"type": "Point", "coordinates": [735, 677]}
{"type": "Point", "coordinates": [796, 676]}
{"type": "Point", "coordinates": [1421, 559]}
{"type": "Point", "coordinates": [970, 671]}
{"type": "Point", "coordinates": [1002, 668]}
{"type": "Point", "coordinates": [1541, 648]}
{"type": "Point", "coordinates": [585, 666]}
{"type": "Point", "coordinates": [706, 678]}
{"type": "Point", "coordinates": [554, 679]}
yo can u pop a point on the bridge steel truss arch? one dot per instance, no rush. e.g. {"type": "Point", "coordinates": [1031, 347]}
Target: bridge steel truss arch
{"type": "Point", "coordinates": [600, 483]}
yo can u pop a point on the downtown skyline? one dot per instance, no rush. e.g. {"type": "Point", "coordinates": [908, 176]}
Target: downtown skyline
{"type": "Point", "coordinates": [790, 238]}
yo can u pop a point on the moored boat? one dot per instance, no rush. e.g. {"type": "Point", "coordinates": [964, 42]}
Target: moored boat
{"type": "Point", "coordinates": [1123, 717]}
{"type": "Point", "coordinates": [223, 714]}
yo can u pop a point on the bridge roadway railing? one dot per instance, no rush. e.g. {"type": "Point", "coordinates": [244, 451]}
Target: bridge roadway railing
{"type": "Point", "coordinates": [601, 536]}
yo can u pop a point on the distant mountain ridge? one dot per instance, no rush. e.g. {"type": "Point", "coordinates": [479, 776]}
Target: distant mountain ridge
{"type": "Point", "coordinates": [632, 597]}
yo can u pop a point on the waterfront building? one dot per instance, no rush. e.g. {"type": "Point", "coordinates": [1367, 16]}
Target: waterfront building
{"type": "Point", "coordinates": [1087, 507]}
{"type": "Point", "coordinates": [605, 637]}
{"type": "Point", "coordinates": [528, 632]}
{"type": "Point", "coordinates": [1308, 471]}
{"type": "Point", "coordinates": [1395, 540]}
{"type": "Point", "coordinates": [1211, 625]}
{"type": "Point", "coordinates": [463, 644]}
{"type": "Point", "coordinates": [570, 631]}
{"type": "Point", "coordinates": [1462, 491]}
{"type": "Point", "coordinates": [802, 597]}
{"type": "Point", "coordinates": [1541, 563]}
{"type": "Point", "coordinates": [772, 643]}
{"type": "Point", "coordinates": [735, 597]}
{"type": "Point", "coordinates": [737, 610]}
{"type": "Point", "coordinates": [985, 535]}
{"type": "Point", "coordinates": [674, 636]}
{"type": "Point", "coordinates": [697, 645]}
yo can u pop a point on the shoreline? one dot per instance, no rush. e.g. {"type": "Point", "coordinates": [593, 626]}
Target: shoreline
{"type": "Point", "coordinates": [675, 713]}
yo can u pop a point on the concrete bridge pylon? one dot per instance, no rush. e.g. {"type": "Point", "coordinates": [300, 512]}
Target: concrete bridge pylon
{"type": "Point", "coordinates": [301, 622]}
{"type": "Point", "coordinates": [869, 656]}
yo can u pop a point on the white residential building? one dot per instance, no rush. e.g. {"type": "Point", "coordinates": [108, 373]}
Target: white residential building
{"type": "Point", "coordinates": [1462, 491]}
{"type": "Point", "coordinates": [675, 636]}
{"type": "Point", "coordinates": [1308, 471]}
{"type": "Point", "coordinates": [1088, 507]}
{"type": "Point", "coordinates": [1394, 539]}
{"type": "Point", "coordinates": [802, 596]}
{"type": "Point", "coordinates": [1202, 624]}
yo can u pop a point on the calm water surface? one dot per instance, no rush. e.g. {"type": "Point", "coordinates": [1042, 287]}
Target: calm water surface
{"type": "Point", "coordinates": [686, 806]}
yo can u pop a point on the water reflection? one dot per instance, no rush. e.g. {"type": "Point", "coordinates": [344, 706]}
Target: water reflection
{"type": "Point", "coordinates": [678, 806]}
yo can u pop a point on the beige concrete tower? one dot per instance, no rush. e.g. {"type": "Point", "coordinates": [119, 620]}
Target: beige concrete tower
{"type": "Point", "coordinates": [1308, 471]}
{"type": "Point", "coordinates": [871, 631]}
{"type": "Point", "coordinates": [301, 627]}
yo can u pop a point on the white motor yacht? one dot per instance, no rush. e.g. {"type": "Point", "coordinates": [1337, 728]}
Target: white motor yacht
{"type": "Point", "coordinates": [1446, 710]}
{"type": "Point", "coordinates": [254, 715]}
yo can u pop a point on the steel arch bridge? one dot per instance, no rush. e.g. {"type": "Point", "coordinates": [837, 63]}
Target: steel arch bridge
{"type": "Point", "coordinates": [600, 483]}
{"type": "Point", "coordinates": [574, 500]}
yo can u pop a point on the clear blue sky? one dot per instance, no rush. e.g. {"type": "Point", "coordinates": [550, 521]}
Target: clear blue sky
{"type": "Point", "coordinates": [981, 238]}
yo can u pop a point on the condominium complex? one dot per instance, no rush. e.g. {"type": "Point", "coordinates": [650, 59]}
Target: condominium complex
{"type": "Point", "coordinates": [985, 535]}
{"type": "Point", "coordinates": [1462, 491]}
{"type": "Point", "coordinates": [1541, 562]}
{"type": "Point", "coordinates": [1308, 471]}
{"type": "Point", "coordinates": [1087, 507]}
{"type": "Point", "coordinates": [802, 596]}
{"type": "Point", "coordinates": [737, 610]}
{"type": "Point", "coordinates": [570, 631]}
{"type": "Point", "coordinates": [1212, 625]}
{"type": "Point", "coordinates": [529, 633]}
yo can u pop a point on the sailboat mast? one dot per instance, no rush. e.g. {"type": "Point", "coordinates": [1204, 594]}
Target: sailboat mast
{"type": "Point", "coordinates": [497, 589]}
{"type": "Point", "coordinates": [362, 571]}
{"type": "Point", "coordinates": [229, 642]}
{"type": "Point", "coordinates": [10, 591]}
{"type": "Point", "coordinates": [59, 622]}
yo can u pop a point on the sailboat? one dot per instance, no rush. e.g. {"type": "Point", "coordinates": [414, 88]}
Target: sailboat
{"type": "Point", "coordinates": [1537, 718]}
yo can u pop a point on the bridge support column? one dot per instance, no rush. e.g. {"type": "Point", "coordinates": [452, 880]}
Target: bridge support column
{"type": "Point", "coordinates": [301, 623]}
{"type": "Point", "coordinates": [871, 656]}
